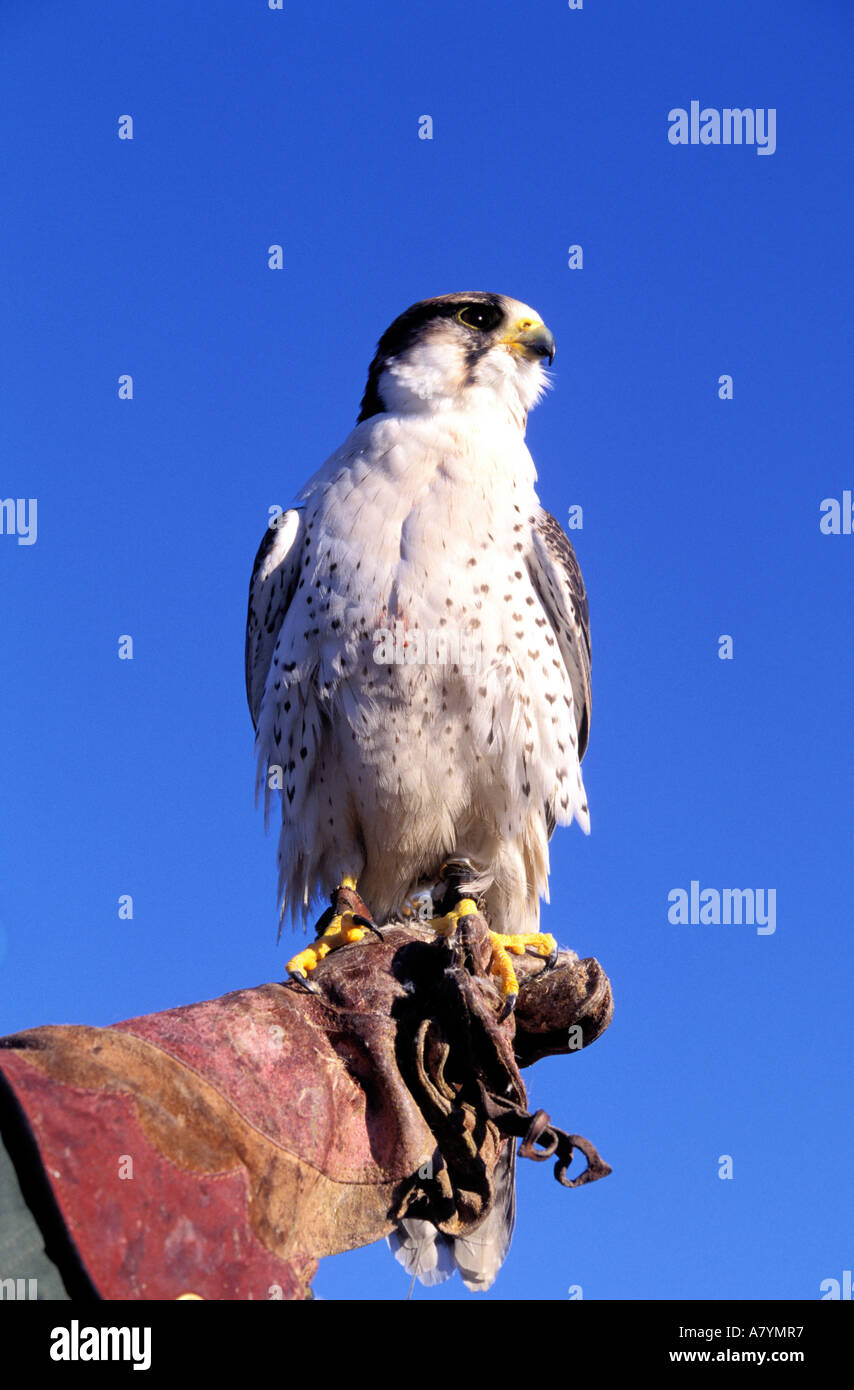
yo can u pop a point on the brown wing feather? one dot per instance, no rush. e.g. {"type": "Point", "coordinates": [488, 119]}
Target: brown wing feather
{"type": "Point", "coordinates": [271, 588]}
{"type": "Point", "coordinates": [556, 575]}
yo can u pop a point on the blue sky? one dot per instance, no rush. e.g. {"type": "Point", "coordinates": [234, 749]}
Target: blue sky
{"type": "Point", "coordinates": [701, 518]}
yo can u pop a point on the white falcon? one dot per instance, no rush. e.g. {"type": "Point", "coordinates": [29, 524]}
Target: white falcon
{"type": "Point", "coordinates": [417, 649]}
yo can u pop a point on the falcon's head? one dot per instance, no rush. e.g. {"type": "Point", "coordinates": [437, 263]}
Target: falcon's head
{"type": "Point", "coordinates": [459, 351]}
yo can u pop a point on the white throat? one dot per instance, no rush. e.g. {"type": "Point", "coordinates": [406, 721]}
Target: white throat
{"type": "Point", "coordinates": [434, 376]}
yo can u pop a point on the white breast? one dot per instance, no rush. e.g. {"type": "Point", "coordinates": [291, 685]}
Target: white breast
{"type": "Point", "coordinates": [418, 526]}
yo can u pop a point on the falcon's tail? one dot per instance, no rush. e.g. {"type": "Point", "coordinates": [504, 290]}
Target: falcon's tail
{"type": "Point", "coordinates": [428, 1253]}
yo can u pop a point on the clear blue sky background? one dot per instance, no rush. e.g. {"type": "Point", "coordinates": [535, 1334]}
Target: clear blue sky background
{"type": "Point", "coordinates": [701, 517]}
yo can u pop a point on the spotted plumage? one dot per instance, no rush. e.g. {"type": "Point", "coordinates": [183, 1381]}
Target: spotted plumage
{"type": "Point", "coordinates": [425, 522]}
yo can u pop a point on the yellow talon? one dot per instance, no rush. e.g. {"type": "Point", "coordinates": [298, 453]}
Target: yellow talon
{"type": "Point", "coordinates": [306, 960]}
{"type": "Point", "coordinates": [340, 931]}
{"type": "Point", "coordinates": [503, 946]}
{"type": "Point", "coordinates": [502, 966]}
{"type": "Point", "coordinates": [447, 925]}
{"type": "Point", "coordinates": [541, 942]}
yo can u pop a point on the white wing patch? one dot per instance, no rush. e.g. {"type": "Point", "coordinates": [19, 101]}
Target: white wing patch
{"type": "Point", "coordinates": [274, 580]}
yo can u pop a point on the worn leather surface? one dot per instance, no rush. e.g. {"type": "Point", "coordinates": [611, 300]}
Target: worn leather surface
{"type": "Point", "coordinates": [220, 1149]}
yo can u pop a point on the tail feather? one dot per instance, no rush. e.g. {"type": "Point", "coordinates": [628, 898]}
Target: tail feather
{"type": "Point", "coordinates": [431, 1256]}
{"type": "Point", "coordinates": [423, 1251]}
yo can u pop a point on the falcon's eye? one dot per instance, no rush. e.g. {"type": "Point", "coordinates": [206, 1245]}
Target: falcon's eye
{"type": "Point", "coordinates": [483, 316]}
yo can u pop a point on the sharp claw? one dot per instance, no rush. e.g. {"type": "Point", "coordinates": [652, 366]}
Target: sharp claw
{"type": "Point", "coordinates": [304, 982]}
{"type": "Point", "coordinates": [508, 1007]}
{"type": "Point", "coordinates": [360, 921]}
{"type": "Point", "coordinates": [552, 959]}
{"type": "Point", "coordinates": [451, 866]}
{"type": "Point", "coordinates": [456, 871]}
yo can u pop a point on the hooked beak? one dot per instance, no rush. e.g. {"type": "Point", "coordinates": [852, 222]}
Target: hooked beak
{"type": "Point", "coordinates": [532, 340]}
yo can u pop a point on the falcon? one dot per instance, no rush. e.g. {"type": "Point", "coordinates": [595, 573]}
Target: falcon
{"type": "Point", "coordinates": [418, 648]}
{"type": "Point", "coordinates": [418, 673]}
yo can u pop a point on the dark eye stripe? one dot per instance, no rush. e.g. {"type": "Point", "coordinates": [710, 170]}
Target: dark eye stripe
{"type": "Point", "coordinates": [410, 324]}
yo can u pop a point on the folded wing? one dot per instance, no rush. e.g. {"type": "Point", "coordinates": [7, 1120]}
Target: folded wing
{"type": "Point", "coordinates": [271, 589]}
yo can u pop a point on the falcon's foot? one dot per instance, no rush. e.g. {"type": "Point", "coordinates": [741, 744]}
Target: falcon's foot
{"type": "Point", "coordinates": [447, 925]}
{"type": "Point", "coordinates": [455, 873]}
{"type": "Point", "coordinates": [341, 924]}
{"type": "Point", "coordinates": [502, 966]}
